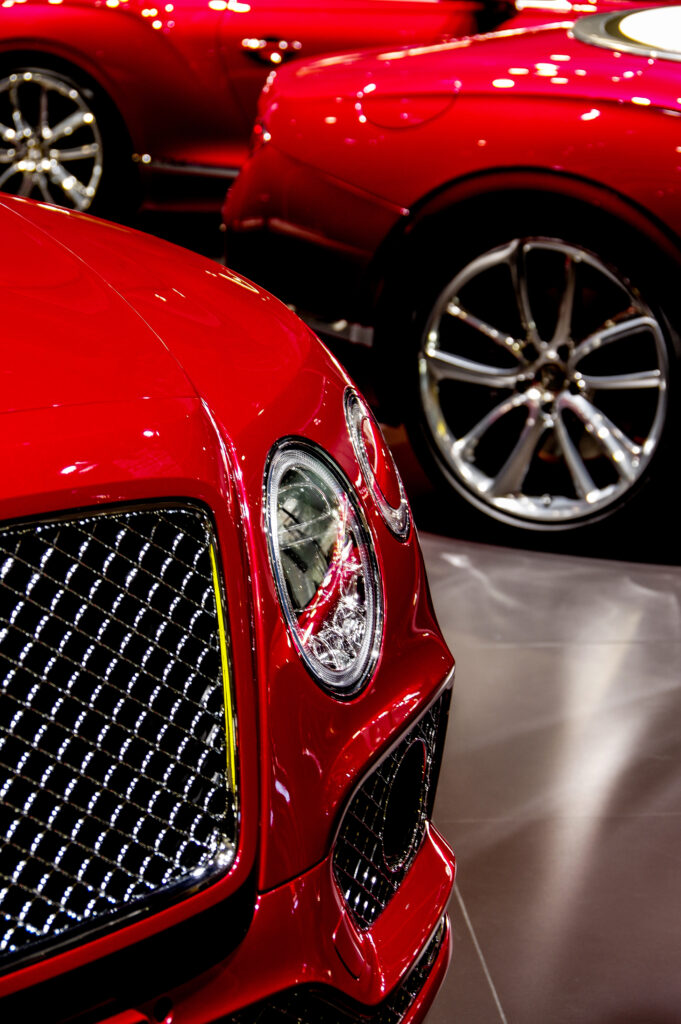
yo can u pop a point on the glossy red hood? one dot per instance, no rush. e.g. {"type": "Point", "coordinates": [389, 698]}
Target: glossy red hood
{"type": "Point", "coordinates": [132, 317]}
{"type": "Point", "coordinates": [63, 323]}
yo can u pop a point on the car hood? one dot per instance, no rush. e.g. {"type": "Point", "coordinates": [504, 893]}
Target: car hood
{"type": "Point", "coordinates": [63, 324]}
{"type": "Point", "coordinates": [132, 317]}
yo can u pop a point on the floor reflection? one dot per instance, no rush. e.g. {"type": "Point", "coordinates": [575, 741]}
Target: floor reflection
{"type": "Point", "coordinates": [561, 791]}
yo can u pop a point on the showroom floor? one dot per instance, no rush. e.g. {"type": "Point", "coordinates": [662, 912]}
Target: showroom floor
{"type": "Point", "coordinates": [561, 787]}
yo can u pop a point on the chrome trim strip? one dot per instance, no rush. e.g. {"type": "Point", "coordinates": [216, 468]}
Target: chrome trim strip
{"type": "Point", "coordinates": [196, 170]}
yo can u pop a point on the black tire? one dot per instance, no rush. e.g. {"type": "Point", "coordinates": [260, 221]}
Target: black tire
{"type": "Point", "coordinates": [63, 142]}
{"type": "Point", "coordinates": [565, 434]}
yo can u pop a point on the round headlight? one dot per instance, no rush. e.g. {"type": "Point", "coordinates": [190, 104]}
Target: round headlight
{"type": "Point", "coordinates": [324, 566]}
{"type": "Point", "coordinates": [377, 465]}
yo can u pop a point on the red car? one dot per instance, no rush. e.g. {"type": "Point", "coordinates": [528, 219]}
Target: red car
{"type": "Point", "coordinates": [501, 216]}
{"type": "Point", "coordinates": [104, 103]}
{"type": "Point", "coordinates": [224, 693]}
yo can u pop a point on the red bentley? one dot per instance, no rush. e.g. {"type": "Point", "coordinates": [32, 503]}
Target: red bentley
{"type": "Point", "coordinates": [500, 216]}
{"type": "Point", "coordinates": [223, 691]}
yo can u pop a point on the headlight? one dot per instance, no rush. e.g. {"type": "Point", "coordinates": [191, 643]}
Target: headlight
{"type": "Point", "coordinates": [377, 465]}
{"type": "Point", "coordinates": [324, 566]}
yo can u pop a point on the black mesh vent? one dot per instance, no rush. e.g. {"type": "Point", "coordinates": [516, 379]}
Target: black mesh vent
{"type": "Point", "coordinates": [324, 1006]}
{"type": "Point", "coordinates": [113, 781]}
{"type": "Point", "coordinates": [367, 876]}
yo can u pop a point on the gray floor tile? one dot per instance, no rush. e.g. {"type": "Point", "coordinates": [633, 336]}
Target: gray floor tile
{"type": "Point", "coordinates": [561, 786]}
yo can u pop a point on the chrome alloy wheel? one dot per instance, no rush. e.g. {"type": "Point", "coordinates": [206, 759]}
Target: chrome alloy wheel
{"type": "Point", "coordinates": [50, 148]}
{"type": "Point", "coordinates": [543, 383]}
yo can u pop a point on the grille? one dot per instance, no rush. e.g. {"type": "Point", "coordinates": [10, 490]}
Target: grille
{"type": "Point", "coordinates": [370, 860]}
{"type": "Point", "coordinates": [113, 754]}
{"type": "Point", "coordinates": [323, 1006]}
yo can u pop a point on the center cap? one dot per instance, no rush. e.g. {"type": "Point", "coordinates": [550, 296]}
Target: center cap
{"type": "Point", "coordinates": [552, 377]}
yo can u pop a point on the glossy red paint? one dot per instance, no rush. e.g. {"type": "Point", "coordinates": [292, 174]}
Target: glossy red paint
{"type": "Point", "coordinates": [176, 84]}
{"type": "Point", "coordinates": [154, 373]}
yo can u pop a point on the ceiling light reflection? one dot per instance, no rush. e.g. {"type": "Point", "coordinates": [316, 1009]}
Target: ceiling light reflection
{"type": "Point", "coordinates": [659, 28]}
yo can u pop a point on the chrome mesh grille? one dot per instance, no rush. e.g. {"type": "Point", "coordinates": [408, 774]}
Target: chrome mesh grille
{"type": "Point", "coordinates": [364, 874]}
{"type": "Point", "coordinates": [113, 782]}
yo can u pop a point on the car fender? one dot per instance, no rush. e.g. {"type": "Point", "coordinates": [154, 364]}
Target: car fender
{"type": "Point", "coordinates": [118, 51]}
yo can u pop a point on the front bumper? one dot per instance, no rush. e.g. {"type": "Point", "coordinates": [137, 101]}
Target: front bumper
{"type": "Point", "coordinates": [315, 957]}
{"type": "Point", "coordinates": [303, 960]}
{"type": "Point", "coordinates": [314, 951]}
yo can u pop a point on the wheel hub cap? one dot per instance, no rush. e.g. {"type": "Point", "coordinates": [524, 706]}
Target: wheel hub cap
{"type": "Point", "coordinates": [552, 377]}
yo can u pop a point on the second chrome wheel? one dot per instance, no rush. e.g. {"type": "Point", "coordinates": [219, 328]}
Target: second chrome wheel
{"type": "Point", "coordinates": [63, 142]}
{"type": "Point", "coordinates": [543, 383]}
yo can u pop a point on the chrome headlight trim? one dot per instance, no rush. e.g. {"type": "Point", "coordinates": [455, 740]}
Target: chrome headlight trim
{"type": "Point", "coordinates": [324, 566]}
{"type": "Point", "coordinates": [358, 416]}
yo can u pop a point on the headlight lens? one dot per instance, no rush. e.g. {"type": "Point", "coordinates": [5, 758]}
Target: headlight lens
{"type": "Point", "coordinates": [324, 566]}
{"type": "Point", "coordinates": [377, 465]}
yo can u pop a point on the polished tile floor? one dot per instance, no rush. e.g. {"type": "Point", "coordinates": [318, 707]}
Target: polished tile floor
{"type": "Point", "coordinates": [561, 787]}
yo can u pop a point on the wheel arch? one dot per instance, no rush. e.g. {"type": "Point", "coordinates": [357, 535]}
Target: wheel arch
{"type": "Point", "coordinates": [397, 269]}
{"type": "Point", "coordinates": [82, 72]}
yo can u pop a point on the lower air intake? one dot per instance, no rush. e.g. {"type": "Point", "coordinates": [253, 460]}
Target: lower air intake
{"type": "Point", "coordinates": [384, 825]}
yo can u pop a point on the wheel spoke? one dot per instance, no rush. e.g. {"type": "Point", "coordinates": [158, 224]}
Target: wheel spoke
{"type": "Point", "coordinates": [506, 341]}
{"type": "Point", "coordinates": [71, 186]}
{"type": "Point", "coordinates": [71, 123]}
{"type": "Point", "coordinates": [625, 381]}
{"type": "Point", "coordinates": [43, 123]}
{"type": "Point", "coordinates": [445, 366]}
{"type": "Point", "coordinates": [77, 153]}
{"type": "Point", "coordinates": [510, 478]}
{"type": "Point", "coordinates": [27, 183]}
{"type": "Point", "coordinates": [7, 134]}
{"type": "Point", "coordinates": [6, 175]}
{"type": "Point", "coordinates": [563, 329]}
{"type": "Point", "coordinates": [465, 446]}
{"type": "Point", "coordinates": [20, 124]}
{"type": "Point", "coordinates": [518, 266]}
{"type": "Point", "coordinates": [611, 331]}
{"type": "Point", "coordinates": [581, 477]}
{"type": "Point", "coordinates": [8, 157]}
{"type": "Point", "coordinates": [623, 454]}
{"type": "Point", "coordinates": [42, 185]}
